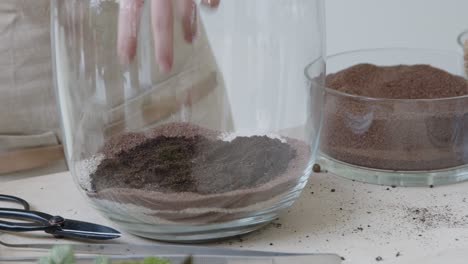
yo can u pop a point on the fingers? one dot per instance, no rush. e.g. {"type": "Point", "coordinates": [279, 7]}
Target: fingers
{"type": "Point", "coordinates": [162, 22]}
{"type": "Point", "coordinates": [187, 12]}
{"type": "Point", "coordinates": [129, 19]}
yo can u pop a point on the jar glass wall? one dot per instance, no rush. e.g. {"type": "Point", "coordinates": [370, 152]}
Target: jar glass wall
{"type": "Point", "coordinates": [214, 148]}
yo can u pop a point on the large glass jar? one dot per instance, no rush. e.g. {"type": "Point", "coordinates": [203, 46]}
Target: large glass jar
{"type": "Point", "coordinates": [214, 143]}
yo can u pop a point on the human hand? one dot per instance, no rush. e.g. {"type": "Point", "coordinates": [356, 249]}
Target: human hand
{"type": "Point", "coordinates": [162, 12]}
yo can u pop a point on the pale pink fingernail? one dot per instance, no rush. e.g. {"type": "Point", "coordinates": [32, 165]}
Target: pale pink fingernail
{"type": "Point", "coordinates": [211, 3]}
{"type": "Point", "coordinates": [189, 35]}
{"type": "Point", "coordinates": [165, 66]}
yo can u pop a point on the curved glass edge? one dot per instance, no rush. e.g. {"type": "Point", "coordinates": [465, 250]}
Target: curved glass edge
{"type": "Point", "coordinates": [394, 178]}
{"type": "Point", "coordinates": [462, 37]}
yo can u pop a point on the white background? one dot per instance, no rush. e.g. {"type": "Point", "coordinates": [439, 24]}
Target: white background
{"type": "Point", "coordinates": [355, 24]}
{"type": "Point", "coordinates": [358, 24]}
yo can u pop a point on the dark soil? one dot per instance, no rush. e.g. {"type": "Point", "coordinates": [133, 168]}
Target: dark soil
{"type": "Point", "coordinates": [194, 164]}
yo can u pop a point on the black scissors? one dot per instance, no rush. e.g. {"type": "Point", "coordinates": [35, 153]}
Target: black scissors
{"type": "Point", "coordinates": [54, 225]}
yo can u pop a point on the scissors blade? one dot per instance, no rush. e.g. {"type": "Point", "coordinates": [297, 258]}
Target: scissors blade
{"type": "Point", "coordinates": [85, 230]}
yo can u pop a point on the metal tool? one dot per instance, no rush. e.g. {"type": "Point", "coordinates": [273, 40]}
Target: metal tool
{"type": "Point", "coordinates": [178, 254]}
{"type": "Point", "coordinates": [54, 225]}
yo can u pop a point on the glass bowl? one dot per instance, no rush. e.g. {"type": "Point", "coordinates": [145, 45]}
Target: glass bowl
{"type": "Point", "coordinates": [394, 141]}
{"type": "Point", "coordinates": [218, 146]}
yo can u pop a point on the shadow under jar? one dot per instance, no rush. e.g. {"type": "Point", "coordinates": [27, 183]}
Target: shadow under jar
{"type": "Point", "coordinates": [217, 147]}
{"type": "Point", "coordinates": [401, 142]}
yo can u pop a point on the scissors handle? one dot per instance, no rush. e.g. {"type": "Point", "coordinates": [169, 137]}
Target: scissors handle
{"type": "Point", "coordinates": [54, 225]}
{"type": "Point", "coordinates": [14, 199]}
{"type": "Point", "coordinates": [32, 221]}
{"type": "Point", "coordinates": [36, 221]}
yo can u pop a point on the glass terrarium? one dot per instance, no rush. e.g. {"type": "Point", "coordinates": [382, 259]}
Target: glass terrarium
{"type": "Point", "coordinates": [189, 121]}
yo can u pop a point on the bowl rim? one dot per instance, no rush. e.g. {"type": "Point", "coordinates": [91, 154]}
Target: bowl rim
{"type": "Point", "coordinates": [461, 36]}
{"type": "Point", "coordinates": [377, 99]}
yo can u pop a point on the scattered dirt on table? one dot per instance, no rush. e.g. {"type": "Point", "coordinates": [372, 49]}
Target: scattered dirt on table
{"type": "Point", "coordinates": [316, 168]}
{"type": "Point", "coordinates": [434, 217]}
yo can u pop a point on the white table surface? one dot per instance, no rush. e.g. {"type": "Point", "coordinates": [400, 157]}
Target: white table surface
{"type": "Point", "coordinates": [314, 224]}
{"type": "Point", "coordinates": [364, 24]}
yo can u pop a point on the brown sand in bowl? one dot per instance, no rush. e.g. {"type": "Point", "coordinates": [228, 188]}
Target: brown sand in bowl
{"type": "Point", "coordinates": [161, 205]}
{"type": "Point", "coordinates": [392, 134]}
{"type": "Point", "coordinates": [398, 82]}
